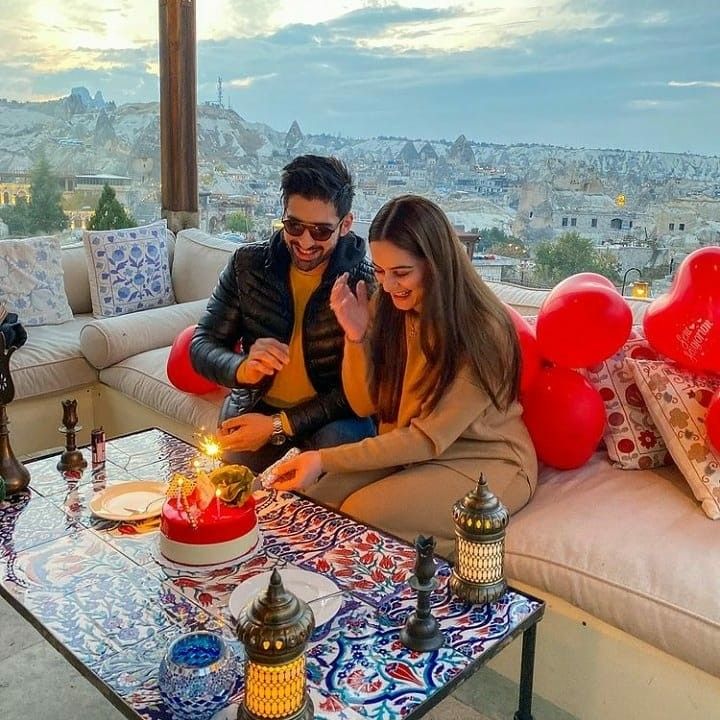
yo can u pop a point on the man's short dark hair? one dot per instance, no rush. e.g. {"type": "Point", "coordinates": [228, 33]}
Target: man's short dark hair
{"type": "Point", "coordinates": [316, 177]}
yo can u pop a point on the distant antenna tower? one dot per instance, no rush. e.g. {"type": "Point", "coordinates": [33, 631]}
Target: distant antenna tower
{"type": "Point", "coordinates": [219, 90]}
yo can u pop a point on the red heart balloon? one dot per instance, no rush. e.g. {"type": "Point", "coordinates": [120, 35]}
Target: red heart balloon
{"type": "Point", "coordinates": [179, 369]}
{"type": "Point", "coordinates": [582, 321]}
{"type": "Point", "coordinates": [712, 421]}
{"type": "Point", "coordinates": [565, 416]}
{"type": "Point", "coordinates": [684, 324]}
{"type": "Point", "coordinates": [531, 361]}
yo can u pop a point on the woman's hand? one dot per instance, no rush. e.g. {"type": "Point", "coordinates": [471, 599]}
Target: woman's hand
{"type": "Point", "coordinates": [351, 310]}
{"type": "Point", "coordinates": [298, 473]}
{"type": "Point", "coordinates": [245, 433]}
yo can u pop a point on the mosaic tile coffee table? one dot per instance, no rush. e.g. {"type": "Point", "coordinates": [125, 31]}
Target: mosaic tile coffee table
{"type": "Point", "coordinates": [99, 592]}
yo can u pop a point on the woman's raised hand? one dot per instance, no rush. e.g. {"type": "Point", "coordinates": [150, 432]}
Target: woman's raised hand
{"type": "Point", "coordinates": [351, 310]}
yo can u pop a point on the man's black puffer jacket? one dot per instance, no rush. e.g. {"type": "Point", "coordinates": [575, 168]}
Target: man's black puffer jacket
{"type": "Point", "coordinates": [253, 300]}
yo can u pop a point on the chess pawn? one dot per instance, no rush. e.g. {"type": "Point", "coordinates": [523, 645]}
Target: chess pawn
{"type": "Point", "coordinates": [422, 631]}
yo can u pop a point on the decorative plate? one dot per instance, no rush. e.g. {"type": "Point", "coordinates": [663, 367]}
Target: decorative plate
{"type": "Point", "coordinates": [130, 501]}
{"type": "Point", "coordinates": [313, 588]}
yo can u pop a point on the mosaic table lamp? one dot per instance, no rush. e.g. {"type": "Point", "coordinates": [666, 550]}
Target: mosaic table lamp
{"type": "Point", "coordinates": [480, 521]}
{"type": "Point", "coordinates": [275, 628]}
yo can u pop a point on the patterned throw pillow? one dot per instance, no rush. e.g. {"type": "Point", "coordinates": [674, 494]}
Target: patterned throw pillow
{"type": "Point", "coordinates": [129, 269]}
{"type": "Point", "coordinates": [31, 281]}
{"type": "Point", "coordinates": [678, 400]}
{"type": "Point", "coordinates": [631, 437]}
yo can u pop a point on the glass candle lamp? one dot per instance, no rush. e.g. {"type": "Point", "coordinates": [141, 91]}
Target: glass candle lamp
{"type": "Point", "coordinates": [480, 521]}
{"type": "Point", "coordinates": [275, 628]}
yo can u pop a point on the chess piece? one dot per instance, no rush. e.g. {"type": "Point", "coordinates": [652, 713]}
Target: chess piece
{"type": "Point", "coordinates": [422, 631]}
{"type": "Point", "coordinates": [72, 458]}
{"type": "Point", "coordinates": [15, 475]}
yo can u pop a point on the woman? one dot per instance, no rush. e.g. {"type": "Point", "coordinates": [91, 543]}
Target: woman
{"type": "Point", "coordinates": [435, 356]}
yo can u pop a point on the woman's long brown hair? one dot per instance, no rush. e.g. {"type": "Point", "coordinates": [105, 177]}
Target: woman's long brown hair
{"type": "Point", "coordinates": [461, 319]}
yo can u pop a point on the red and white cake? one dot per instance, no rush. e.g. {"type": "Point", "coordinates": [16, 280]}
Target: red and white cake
{"type": "Point", "coordinates": [197, 532]}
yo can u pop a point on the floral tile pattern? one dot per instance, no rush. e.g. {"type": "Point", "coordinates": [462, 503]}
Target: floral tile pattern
{"type": "Point", "coordinates": [65, 565]}
{"type": "Point", "coordinates": [373, 565]}
{"type": "Point", "coordinates": [211, 588]}
{"type": "Point", "coordinates": [297, 529]}
{"type": "Point", "coordinates": [102, 591]}
{"type": "Point", "coordinates": [27, 520]}
{"type": "Point", "coordinates": [366, 667]}
{"type": "Point", "coordinates": [46, 479]}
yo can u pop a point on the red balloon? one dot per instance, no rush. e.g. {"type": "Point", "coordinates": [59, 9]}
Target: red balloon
{"type": "Point", "coordinates": [531, 361]}
{"type": "Point", "coordinates": [712, 421]}
{"type": "Point", "coordinates": [684, 324]}
{"type": "Point", "coordinates": [582, 321]}
{"type": "Point", "coordinates": [565, 416]}
{"type": "Point", "coordinates": [180, 371]}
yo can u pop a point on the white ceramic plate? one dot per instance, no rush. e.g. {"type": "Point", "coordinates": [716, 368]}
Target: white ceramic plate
{"type": "Point", "coordinates": [130, 501]}
{"type": "Point", "coordinates": [308, 586]}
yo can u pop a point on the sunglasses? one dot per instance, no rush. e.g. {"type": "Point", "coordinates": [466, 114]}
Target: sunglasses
{"type": "Point", "coordinates": [320, 233]}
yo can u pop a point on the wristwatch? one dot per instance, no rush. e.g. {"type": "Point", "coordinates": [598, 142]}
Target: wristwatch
{"type": "Point", "coordinates": [278, 436]}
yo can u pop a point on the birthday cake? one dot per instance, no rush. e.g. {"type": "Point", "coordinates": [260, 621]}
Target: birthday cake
{"type": "Point", "coordinates": [210, 519]}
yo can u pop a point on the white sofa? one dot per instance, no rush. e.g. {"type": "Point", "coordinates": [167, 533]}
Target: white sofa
{"type": "Point", "coordinates": [115, 367]}
{"type": "Point", "coordinates": [630, 566]}
{"type": "Point", "coordinates": [627, 561]}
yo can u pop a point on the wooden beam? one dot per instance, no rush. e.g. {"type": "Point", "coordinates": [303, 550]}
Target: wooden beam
{"type": "Point", "coordinates": [178, 114]}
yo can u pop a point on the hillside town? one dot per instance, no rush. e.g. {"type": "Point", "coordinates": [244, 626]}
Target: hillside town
{"type": "Point", "coordinates": [648, 210]}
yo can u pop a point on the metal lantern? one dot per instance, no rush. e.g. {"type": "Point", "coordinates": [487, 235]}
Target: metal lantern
{"type": "Point", "coordinates": [480, 522]}
{"type": "Point", "coordinates": [275, 628]}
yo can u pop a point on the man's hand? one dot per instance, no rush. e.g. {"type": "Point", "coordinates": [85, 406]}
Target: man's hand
{"type": "Point", "coordinates": [246, 433]}
{"type": "Point", "coordinates": [298, 473]}
{"type": "Point", "coordinates": [351, 311]}
{"type": "Point", "coordinates": [266, 357]}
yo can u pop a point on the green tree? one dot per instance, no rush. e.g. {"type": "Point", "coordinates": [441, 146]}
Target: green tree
{"type": "Point", "coordinates": [570, 254]}
{"type": "Point", "coordinates": [110, 213]}
{"type": "Point", "coordinates": [45, 211]}
{"type": "Point", "coordinates": [497, 242]}
{"type": "Point", "coordinates": [239, 221]}
{"type": "Point", "coordinates": [17, 218]}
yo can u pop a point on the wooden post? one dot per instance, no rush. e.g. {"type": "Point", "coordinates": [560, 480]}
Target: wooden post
{"type": "Point", "coordinates": [178, 122]}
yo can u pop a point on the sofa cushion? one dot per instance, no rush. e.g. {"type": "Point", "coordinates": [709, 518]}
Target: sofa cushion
{"type": "Point", "coordinates": [630, 548]}
{"type": "Point", "coordinates": [143, 378]}
{"type": "Point", "coordinates": [128, 269]}
{"type": "Point", "coordinates": [107, 341]}
{"type": "Point", "coordinates": [51, 360]}
{"type": "Point", "coordinates": [31, 281]}
{"type": "Point", "coordinates": [678, 400]}
{"type": "Point", "coordinates": [632, 439]}
{"type": "Point", "coordinates": [198, 260]}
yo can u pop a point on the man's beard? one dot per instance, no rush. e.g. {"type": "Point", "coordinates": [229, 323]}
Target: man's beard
{"type": "Point", "coordinates": [310, 262]}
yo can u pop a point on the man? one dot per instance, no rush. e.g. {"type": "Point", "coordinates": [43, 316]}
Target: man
{"type": "Point", "coordinates": [269, 333]}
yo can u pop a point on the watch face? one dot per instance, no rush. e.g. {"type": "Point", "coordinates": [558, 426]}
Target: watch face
{"type": "Point", "coordinates": [277, 438]}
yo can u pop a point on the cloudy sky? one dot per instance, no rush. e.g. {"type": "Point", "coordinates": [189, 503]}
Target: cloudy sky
{"type": "Point", "coordinates": [636, 74]}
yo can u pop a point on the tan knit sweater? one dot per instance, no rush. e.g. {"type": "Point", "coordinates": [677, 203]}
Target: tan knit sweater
{"type": "Point", "coordinates": [465, 431]}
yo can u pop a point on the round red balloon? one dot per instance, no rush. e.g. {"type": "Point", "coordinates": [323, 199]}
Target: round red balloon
{"type": "Point", "coordinates": [531, 361]}
{"type": "Point", "coordinates": [684, 324]}
{"type": "Point", "coordinates": [582, 321]}
{"type": "Point", "coordinates": [565, 416]}
{"type": "Point", "coordinates": [179, 369]}
{"type": "Point", "coordinates": [712, 421]}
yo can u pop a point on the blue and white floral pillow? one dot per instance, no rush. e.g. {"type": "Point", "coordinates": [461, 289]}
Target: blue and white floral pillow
{"type": "Point", "coordinates": [128, 269]}
{"type": "Point", "coordinates": [31, 281]}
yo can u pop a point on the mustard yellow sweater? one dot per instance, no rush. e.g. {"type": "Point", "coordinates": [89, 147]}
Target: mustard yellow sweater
{"type": "Point", "coordinates": [465, 431]}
